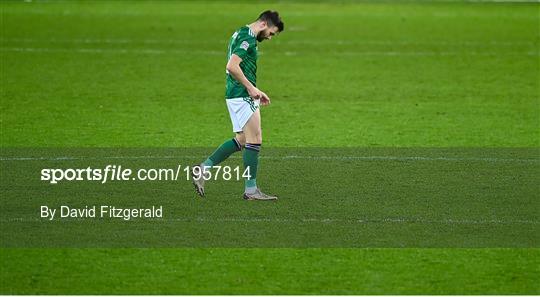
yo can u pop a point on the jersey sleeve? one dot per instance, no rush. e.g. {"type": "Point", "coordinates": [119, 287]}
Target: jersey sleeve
{"type": "Point", "coordinates": [243, 45]}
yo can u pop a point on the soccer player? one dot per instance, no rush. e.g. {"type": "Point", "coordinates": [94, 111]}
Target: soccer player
{"type": "Point", "coordinates": [243, 100]}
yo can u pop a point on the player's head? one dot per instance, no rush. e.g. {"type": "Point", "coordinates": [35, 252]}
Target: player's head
{"type": "Point", "coordinates": [270, 23]}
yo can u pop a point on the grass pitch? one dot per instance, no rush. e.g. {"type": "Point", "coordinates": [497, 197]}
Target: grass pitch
{"type": "Point", "coordinates": [369, 74]}
{"type": "Point", "coordinates": [343, 77]}
{"type": "Point", "coordinates": [271, 271]}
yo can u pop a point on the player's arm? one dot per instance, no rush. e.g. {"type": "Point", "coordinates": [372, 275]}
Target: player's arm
{"type": "Point", "coordinates": [233, 67]}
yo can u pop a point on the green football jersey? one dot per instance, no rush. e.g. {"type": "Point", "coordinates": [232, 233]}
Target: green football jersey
{"type": "Point", "coordinates": [243, 43]}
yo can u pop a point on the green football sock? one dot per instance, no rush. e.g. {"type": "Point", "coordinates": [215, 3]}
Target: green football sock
{"type": "Point", "coordinates": [222, 152]}
{"type": "Point", "coordinates": [251, 161]}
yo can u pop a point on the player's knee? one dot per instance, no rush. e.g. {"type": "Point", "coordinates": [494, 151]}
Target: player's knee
{"type": "Point", "coordinates": [241, 139]}
{"type": "Point", "coordinates": [253, 136]}
{"type": "Point", "coordinates": [258, 137]}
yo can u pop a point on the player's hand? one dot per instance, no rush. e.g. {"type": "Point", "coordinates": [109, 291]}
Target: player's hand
{"type": "Point", "coordinates": [265, 100]}
{"type": "Point", "coordinates": [254, 93]}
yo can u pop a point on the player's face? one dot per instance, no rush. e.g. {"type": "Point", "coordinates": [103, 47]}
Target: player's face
{"type": "Point", "coordinates": [267, 33]}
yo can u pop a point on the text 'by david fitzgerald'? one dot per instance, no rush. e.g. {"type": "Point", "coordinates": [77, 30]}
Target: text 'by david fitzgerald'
{"type": "Point", "coordinates": [101, 211]}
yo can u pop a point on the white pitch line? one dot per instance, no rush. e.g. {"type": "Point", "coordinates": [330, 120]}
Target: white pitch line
{"type": "Point", "coordinates": [410, 158]}
{"type": "Point", "coordinates": [289, 42]}
{"type": "Point", "coordinates": [288, 157]}
{"type": "Point", "coordinates": [289, 53]}
{"type": "Point", "coordinates": [108, 51]}
{"type": "Point", "coordinates": [310, 14]}
{"type": "Point", "coordinates": [306, 220]}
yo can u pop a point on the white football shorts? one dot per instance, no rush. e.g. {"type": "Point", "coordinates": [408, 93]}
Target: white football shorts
{"type": "Point", "coordinates": [240, 110]}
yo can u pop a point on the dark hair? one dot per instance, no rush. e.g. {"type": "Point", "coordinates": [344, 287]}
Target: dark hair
{"type": "Point", "coordinates": [273, 19]}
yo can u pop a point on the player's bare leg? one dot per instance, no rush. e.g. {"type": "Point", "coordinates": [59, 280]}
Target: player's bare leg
{"type": "Point", "coordinates": [253, 135]}
{"type": "Point", "coordinates": [241, 138]}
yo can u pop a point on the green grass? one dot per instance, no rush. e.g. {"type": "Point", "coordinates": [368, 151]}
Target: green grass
{"type": "Point", "coordinates": [255, 271]}
{"type": "Point", "coordinates": [369, 74]}
{"type": "Point", "coordinates": [361, 75]}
